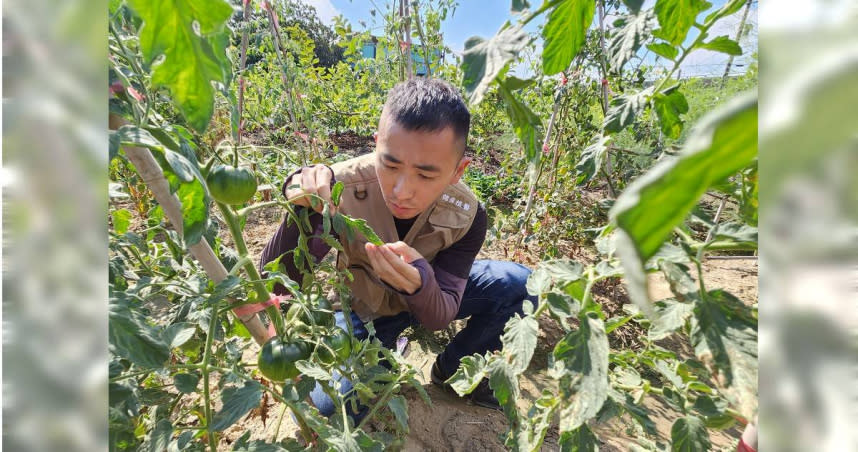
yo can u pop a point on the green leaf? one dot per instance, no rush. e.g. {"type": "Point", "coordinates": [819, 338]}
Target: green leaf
{"type": "Point", "coordinates": [722, 44]}
{"type": "Point", "coordinates": [514, 83]}
{"type": "Point", "coordinates": [731, 7]}
{"type": "Point", "coordinates": [724, 337]}
{"type": "Point", "coordinates": [652, 205]}
{"type": "Point", "coordinates": [130, 337]}
{"type": "Point", "coordinates": [191, 63]}
{"type": "Point", "coordinates": [539, 282]}
{"type": "Point", "coordinates": [113, 146]}
{"type": "Point", "coordinates": [681, 283]}
{"type": "Point", "coordinates": [519, 341]}
{"type": "Point", "coordinates": [519, 6]}
{"type": "Point", "coordinates": [195, 211]}
{"type": "Point", "coordinates": [737, 233]}
{"type": "Point", "coordinates": [345, 225]}
{"type": "Point", "coordinates": [159, 439]}
{"type": "Point", "coordinates": [669, 106]}
{"type": "Point", "coordinates": [177, 334]}
{"type": "Point", "coordinates": [130, 135]}
{"type": "Point", "coordinates": [525, 123]}
{"type": "Point", "coordinates": [121, 220]}
{"type": "Point", "coordinates": [624, 109]}
{"type": "Point", "coordinates": [689, 434]}
{"type": "Point", "coordinates": [337, 192]}
{"type": "Point", "coordinates": [186, 383]}
{"type": "Point", "coordinates": [236, 403]}
{"type": "Point", "coordinates": [504, 383]}
{"type": "Point", "coordinates": [562, 305]}
{"type": "Point", "coordinates": [313, 370]}
{"type": "Point", "coordinates": [627, 40]}
{"type": "Point", "coordinates": [483, 61]}
{"type": "Point", "coordinates": [244, 444]}
{"type": "Point", "coordinates": [713, 412]}
{"type": "Point", "coordinates": [664, 49]}
{"type": "Point", "coordinates": [581, 363]}
{"type": "Point", "coordinates": [676, 17]}
{"type": "Point", "coordinates": [182, 168]}
{"type": "Point", "coordinates": [400, 410]}
{"type": "Point", "coordinates": [581, 439]}
{"type": "Point", "coordinates": [565, 33]}
{"type": "Point", "coordinates": [472, 369]}
{"type": "Point", "coordinates": [591, 160]}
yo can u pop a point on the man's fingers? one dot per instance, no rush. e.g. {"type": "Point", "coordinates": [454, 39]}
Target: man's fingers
{"type": "Point", "coordinates": [383, 268]}
{"type": "Point", "coordinates": [408, 253]}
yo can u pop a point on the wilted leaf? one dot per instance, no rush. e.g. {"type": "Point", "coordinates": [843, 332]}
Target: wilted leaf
{"type": "Point", "coordinates": [519, 341]}
{"type": "Point", "coordinates": [236, 403]}
{"type": "Point", "coordinates": [689, 434]}
{"type": "Point", "coordinates": [581, 358]}
{"type": "Point", "coordinates": [483, 60]}
{"type": "Point", "coordinates": [565, 33]}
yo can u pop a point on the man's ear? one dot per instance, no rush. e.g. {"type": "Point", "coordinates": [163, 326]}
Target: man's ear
{"type": "Point", "coordinates": [460, 170]}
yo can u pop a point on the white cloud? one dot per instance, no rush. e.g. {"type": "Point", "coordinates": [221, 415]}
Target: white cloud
{"type": "Point", "coordinates": [327, 11]}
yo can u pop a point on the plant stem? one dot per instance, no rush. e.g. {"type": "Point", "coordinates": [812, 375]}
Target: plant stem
{"type": "Point", "coordinates": [205, 370]}
{"type": "Point", "coordinates": [232, 220]}
{"type": "Point", "coordinates": [378, 404]}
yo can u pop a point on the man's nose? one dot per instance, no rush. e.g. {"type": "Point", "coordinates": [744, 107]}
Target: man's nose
{"type": "Point", "coordinates": [402, 188]}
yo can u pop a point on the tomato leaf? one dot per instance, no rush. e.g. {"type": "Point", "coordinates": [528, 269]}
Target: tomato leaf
{"type": "Point", "coordinates": [195, 210]}
{"type": "Point", "coordinates": [676, 17]}
{"type": "Point", "coordinates": [159, 438]}
{"type": "Point", "coordinates": [652, 205]}
{"type": "Point", "coordinates": [626, 42]}
{"type": "Point", "coordinates": [400, 410]}
{"type": "Point", "coordinates": [519, 6]}
{"type": "Point", "coordinates": [581, 439]}
{"type": "Point", "coordinates": [664, 49]}
{"type": "Point", "coordinates": [132, 338]}
{"type": "Point", "coordinates": [565, 33]}
{"type": "Point", "coordinates": [186, 383]}
{"type": "Point", "coordinates": [472, 369]}
{"type": "Point", "coordinates": [483, 60]}
{"type": "Point", "coordinates": [730, 7]}
{"type": "Point", "coordinates": [525, 122]}
{"type": "Point", "coordinates": [337, 193]}
{"type": "Point", "coordinates": [191, 60]}
{"type": "Point", "coordinates": [121, 220]}
{"type": "Point", "coordinates": [722, 44]}
{"type": "Point", "coordinates": [581, 363]}
{"type": "Point", "coordinates": [519, 341]}
{"type": "Point", "coordinates": [345, 225]}
{"type": "Point", "coordinates": [591, 160]}
{"type": "Point", "coordinates": [724, 337]}
{"type": "Point", "coordinates": [177, 334]}
{"type": "Point", "coordinates": [669, 105]}
{"type": "Point", "coordinates": [624, 109]}
{"type": "Point", "coordinates": [689, 434]}
{"type": "Point", "coordinates": [504, 383]}
{"type": "Point", "coordinates": [236, 403]}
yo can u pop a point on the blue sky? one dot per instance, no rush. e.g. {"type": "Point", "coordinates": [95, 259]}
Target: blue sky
{"type": "Point", "coordinates": [484, 17]}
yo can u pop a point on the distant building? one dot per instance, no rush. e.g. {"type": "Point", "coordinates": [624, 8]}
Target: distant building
{"type": "Point", "coordinates": [370, 50]}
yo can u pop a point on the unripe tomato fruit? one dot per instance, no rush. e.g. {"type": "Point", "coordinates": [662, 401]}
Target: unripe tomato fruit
{"type": "Point", "coordinates": [335, 347]}
{"type": "Point", "coordinates": [231, 185]}
{"type": "Point", "coordinates": [278, 357]}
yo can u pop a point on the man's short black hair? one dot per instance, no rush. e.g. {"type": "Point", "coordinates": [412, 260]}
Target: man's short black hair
{"type": "Point", "coordinates": [428, 105]}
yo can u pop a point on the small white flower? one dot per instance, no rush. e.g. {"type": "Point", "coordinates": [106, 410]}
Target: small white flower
{"type": "Point", "coordinates": [445, 197]}
{"type": "Point", "coordinates": [458, 203]}
{"type": "Point", "coordinates": [466, 206]}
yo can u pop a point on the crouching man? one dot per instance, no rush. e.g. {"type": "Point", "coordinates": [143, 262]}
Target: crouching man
{"type": "Point", "coordinates": [409, 191]}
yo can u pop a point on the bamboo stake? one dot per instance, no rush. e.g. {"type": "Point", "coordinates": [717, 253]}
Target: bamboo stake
{"type": "Point", "coordinates": [153, 177]}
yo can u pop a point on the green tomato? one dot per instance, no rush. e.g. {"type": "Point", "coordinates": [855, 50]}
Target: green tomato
{"type": "Point", "coordinates": [231, 185]}
{"type": "Point", "coordinates": [336, 346]}
{"type": "Point", "coordinates": [278, 357]}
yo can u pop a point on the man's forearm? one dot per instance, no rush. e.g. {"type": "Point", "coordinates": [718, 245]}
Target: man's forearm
{"type": "Point", "coordinates": [437, 301]}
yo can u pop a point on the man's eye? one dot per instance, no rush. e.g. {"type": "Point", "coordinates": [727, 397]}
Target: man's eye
{"type": "Point", "coordinates": [426, 177]}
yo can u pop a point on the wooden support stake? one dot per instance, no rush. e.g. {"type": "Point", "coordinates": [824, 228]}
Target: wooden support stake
{"type": "Point", "coordinates": [153, 177]}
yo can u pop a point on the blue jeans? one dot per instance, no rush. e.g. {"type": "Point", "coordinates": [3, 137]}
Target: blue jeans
{"type": "Point", "coordinates": [495, 292]}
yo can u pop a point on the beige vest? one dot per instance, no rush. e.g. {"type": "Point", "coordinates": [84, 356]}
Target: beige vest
{"type": "Point", "coordinates": [442, 224]}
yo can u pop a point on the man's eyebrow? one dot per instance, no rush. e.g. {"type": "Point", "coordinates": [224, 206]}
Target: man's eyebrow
{"type": "Point", "coordinates": [428, 168]}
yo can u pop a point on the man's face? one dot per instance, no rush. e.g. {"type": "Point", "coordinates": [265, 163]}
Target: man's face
{"type": "Point", "coordinates": [414, 167]}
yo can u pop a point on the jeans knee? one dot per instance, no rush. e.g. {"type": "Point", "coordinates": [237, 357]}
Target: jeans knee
{"type": "Point", "coordinates": [516, 283]}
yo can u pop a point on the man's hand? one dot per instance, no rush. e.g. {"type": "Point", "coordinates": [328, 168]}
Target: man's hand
{"type": "Point", "coordinates": [392, 263]}
{"type": "Point", "coordinates": [312, 180]}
